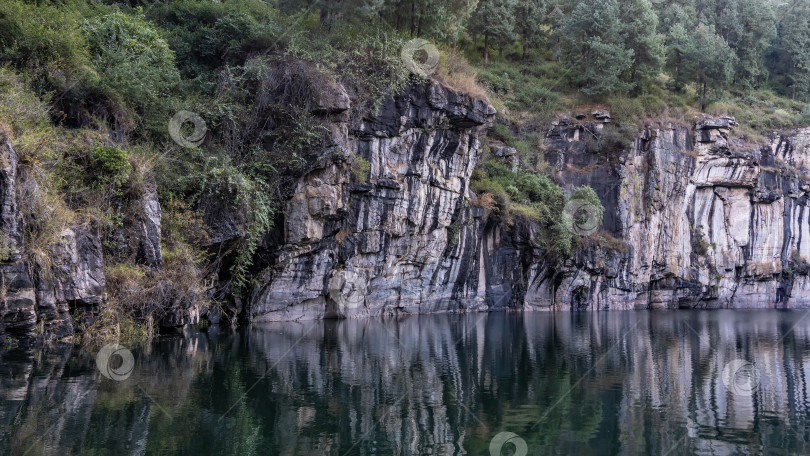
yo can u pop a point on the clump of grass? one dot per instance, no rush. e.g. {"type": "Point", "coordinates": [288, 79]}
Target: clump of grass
{"type": "Point", "coordinates": [609, 242]}
{"type": "Point", "coordinates": [456, 73]}
{"type": "Point", "coordinates": [360, 169]}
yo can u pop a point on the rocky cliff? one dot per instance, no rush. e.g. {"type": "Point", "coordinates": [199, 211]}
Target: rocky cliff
{"type": "Point", "coordinates": [709, 220]}
{"type": "Point", "coordinates": [701, 216]}
{"type": "Point", "coordinates": [385, 223]}
{"type": "Point", "coordinates": [39, 292]}
{"type": "Point", "coordinates": [55, 287]}
{"type": "Point", "coordinates": [399, 236]}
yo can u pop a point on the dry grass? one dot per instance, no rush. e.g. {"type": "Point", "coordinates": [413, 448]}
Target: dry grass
{"type": "Point", "coordinates": [486, 201]}
{"type": "Point", "coordinates": [609, 242]}
{"type": "Point", "coordinates": [455, 73]}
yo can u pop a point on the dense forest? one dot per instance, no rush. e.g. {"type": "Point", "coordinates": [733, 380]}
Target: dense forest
{"type": "Point", "coordinates": [89, 87]}
{"type": "Point", "coordinates": [618, 46]}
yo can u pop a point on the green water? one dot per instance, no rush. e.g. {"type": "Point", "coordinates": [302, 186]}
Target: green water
{"type": "Point", "coordinates": [629, 383]}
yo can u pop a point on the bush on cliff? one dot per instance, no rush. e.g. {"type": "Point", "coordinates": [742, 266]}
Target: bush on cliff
{"type": "Point", "coordinates": [535, 198]}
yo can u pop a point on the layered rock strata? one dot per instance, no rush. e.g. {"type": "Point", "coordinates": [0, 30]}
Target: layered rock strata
{"type": "Point", "coordinates": [696, 216]}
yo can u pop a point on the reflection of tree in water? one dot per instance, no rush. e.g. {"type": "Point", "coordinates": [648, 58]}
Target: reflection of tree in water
{"type": "Point", "coordinates": [589, 384]}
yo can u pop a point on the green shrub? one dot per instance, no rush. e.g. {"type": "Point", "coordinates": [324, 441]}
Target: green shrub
{"type": "Point", "coordinates": [111, 164]}
{"type": "Point", "coordinates": [133, 60]}
{"type": "Point", "coordinates": [613, 139]}
{"type": "Point", "coordinates": [806, 114]}
{"type": "Point", "coordinates": [360, 168]}
{"type": "Point", "coordinates": [502, 133]}
{"type": "Point", "coordinates": [535, 198]}
{"type": "Point", "coordinates": [43, 36]}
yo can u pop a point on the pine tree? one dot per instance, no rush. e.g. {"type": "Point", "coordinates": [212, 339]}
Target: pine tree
{"type": "Point", "coordinates": [495, 19]}
{"type": "Point", "coordinates": [750, 38]}
{"type": "Point", "coordinates": [712, 59]}
{"type": "Point", "coordinates": [794, 39]}
{"type": "Point", "coordinates": [639, 33]}
{"type": "Point", "coordinates": [594, 48]}
{"type": "Point", "coordinates": [679, 49]}
{"type": "Point", "coordinates": [530, 18]}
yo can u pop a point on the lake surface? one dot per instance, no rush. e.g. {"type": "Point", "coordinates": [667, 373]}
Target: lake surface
{"type": "Point", "coordinates": [630, 383]}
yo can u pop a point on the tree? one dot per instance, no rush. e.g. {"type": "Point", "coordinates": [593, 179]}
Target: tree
{"type": "Point", "coordinates": [594, 47]}
{"type": "Point", "coordinates": [530, 17]}
{"type": "Point", "coordinates": [639, 33]}
{"type": "Point", "coordinates": [679, 52]}
{"type": "Point", "coordinates": [494, 19]}
{"type": "Point", "coordinates": [713, 61]}
{"type": "Point", "coordinates": [794, 39]}
{"type": "Point", "coordinates": [750, 38]}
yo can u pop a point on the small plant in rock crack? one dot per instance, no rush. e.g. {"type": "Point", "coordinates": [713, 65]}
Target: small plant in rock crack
{"type": "Point", "coordinates": [798, 263]}
{"type": "Point", "coordinates": [699, 244]}
{"type": "Point", "coordinates": [360, 169]}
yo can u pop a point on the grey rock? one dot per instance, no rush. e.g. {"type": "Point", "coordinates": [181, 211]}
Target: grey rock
{"type": "Point", "coordinates": [38, 295]}
{"type": "Point", "coordinates": [404, 242]}
{"type": "Point", "coordinates": [418, 246]}
{"type": "Point", "coordinates": [146, 228]}
{"type": "Point", "coordinates": [331, 98]}
{"type": "Point", "coordinates": [503, 151]}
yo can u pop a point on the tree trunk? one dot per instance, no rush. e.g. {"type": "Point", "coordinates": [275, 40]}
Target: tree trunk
{"type": "Point", "coordinates": [677, 70]}
{"type": "Point", "coordinates": [413, 17]}
{"type": "Point", "coordinates": [793, 97]}
{"type": "Point", "coordinates": [486, 49]}
{"type": "Point", "coordinates": [703, 97]}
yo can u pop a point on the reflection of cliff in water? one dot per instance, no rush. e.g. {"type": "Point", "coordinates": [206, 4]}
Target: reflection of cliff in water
{"type": "Point", "coordinates": [605, 383]}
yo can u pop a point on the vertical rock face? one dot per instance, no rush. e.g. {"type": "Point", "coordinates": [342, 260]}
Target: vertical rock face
{"type": "Point", "coordinates": [395, 236]}
{"type": "Point", "coordinates": [708, 220]}
{"type": "Point", "coordinates": [36, 298]}
{"type": "Point", "coordinates": [695, 217]}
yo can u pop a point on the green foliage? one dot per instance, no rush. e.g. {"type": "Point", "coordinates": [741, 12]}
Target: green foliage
{"type": "Point", "coordinates": [111, 165]}
{"type": "Point", "coordinates": [207, 36]}
{"type": "Point", "coordinates": [594, 49]}
{"type": "Point", "coordinates": [639, 33]}
{"type": "Point", "coordinates": [43, 36]}
{"type": "Point", "coordinates": [586, 193]}
{"type": "Point", "coordinates": [360, 168]}
{"type": "Point", "coordinates": [495, 21]}
{"type": "Point", "coordinates": [529, 15]}
{"type": "Point", "coordinates": [533, 197]}
{"type": "Point", "coordinates": [133, 59]}
{"type": "Point", "coordinates": [523, 86]}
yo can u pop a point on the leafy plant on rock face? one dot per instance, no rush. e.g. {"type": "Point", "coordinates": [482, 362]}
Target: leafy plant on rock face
{"type": "Point", "coordinates": [133, 59]}
{"type": "Point", "coordinates": [111, 164]}
{"type": "Point", "coordinates": [535, 198]}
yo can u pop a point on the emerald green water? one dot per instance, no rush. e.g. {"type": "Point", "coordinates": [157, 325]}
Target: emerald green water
{"type": "Point", "coordinates": [630, 383]}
